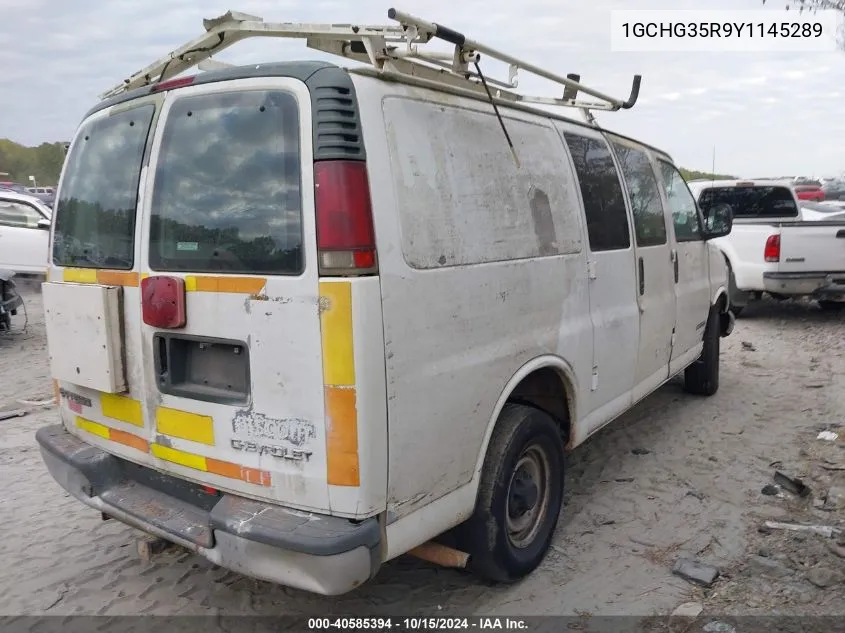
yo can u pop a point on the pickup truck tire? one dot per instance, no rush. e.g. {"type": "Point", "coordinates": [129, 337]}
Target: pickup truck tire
{"type": "Point", "coordinates": [520, 496]}
{"type": "Point", "coordinates": [702, 377]}
{"type": "Point", "coordinates": [831, 306]}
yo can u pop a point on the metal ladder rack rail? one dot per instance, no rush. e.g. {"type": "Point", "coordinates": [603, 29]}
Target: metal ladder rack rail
{"type": "Point", "coordinates": [391, 50]}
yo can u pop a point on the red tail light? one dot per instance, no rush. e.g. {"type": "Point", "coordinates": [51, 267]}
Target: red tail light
{"type": "Point", "coordinates": [163, 301]}
{"type": "Point", "coordinates": [345, 236]}
{"type": "Point", "coordinates": [772, 250]}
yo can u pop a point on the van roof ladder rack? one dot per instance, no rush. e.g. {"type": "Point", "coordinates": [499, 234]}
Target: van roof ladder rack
{"type": "Point", "coordinates": [393, 50]}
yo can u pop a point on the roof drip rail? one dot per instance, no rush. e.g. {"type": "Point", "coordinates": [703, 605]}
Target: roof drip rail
{"type": "Point", "coordinates": [397, 51]}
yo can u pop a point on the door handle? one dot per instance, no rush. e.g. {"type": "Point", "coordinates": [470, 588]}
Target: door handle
{"type": "Point", "coordinates": [675, 261]}
{"type": "Point", "coordinates": [642, 277]}
{"type": "Point", "coordinates": [840, 233]}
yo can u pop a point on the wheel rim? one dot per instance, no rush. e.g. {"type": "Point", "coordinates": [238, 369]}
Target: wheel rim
{"type": "Point", "coordinates": [528, 496]}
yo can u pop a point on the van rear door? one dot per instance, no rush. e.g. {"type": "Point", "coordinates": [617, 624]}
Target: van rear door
{"type": "Point", "coordinates": [185, 330]}
{"type": "Point", "coordinates": [231, 340]}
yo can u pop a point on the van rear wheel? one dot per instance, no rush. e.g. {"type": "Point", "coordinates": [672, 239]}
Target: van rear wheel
{"type": "Point", "coordinates": [519, 498]}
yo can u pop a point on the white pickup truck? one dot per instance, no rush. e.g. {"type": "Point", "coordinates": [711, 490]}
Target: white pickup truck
{"type": "Point", "coordinates": [771, 249]}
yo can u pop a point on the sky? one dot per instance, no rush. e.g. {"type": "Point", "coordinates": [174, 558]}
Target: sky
{"type": "Point", "coordinates": [760, 113]}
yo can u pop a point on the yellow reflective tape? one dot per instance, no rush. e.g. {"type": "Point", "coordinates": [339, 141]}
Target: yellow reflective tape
{"type": "Point", "coordinates": [115, 435]}
{"type": "Point", "coordinates": [92, 427]}
{"type": "Point", "coordinates": [342, 466]}
{"type": "Point", "coordinates": [122, 408]}
{"type": "Point", "coordinates": [197, 462]}
{"type": "Point", "coordinates": [80, 275]}
{"type": "Point", "coordinates": [238, 285]}
{"type": "Point", "coordinates": [127, 439]}
{"type": "Point", "coordinates": [100, 276]}
{"type": "Point", "coordinates": [118, 278]}
{"type": "Point", "coordinates": [336, 333]}
{"type": "Point", "coordinates": [184, 425]}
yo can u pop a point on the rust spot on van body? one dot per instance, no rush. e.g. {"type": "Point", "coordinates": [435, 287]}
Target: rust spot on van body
{"type": "Point", "coordinates": [544, 225]}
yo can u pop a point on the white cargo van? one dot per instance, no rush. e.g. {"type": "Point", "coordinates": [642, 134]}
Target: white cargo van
{"type": "Point", "coordinates": [304, 319]}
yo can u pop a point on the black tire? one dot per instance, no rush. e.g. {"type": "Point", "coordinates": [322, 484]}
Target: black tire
{"type": "Point", "coordinates": [523, 434]}
{"type": "Point", "coordinates": [831, 306]}
{"type": "Point", "coordinates": [702, 377]}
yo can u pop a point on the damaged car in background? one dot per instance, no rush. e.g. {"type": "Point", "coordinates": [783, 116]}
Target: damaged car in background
{"type": "Point", "coordinates": [10, 300]}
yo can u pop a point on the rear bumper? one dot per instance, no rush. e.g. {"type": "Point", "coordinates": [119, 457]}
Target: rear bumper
{"type": "Point", "coordinates": [318, 553]}
{"type": "Point", "coordinates": [819, 285]}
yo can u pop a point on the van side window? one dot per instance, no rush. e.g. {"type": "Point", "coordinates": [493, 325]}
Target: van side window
{"type": "Point", "coordinates": [227, 195]}
{"type": "Point", "coordinates": [604, 205]}
{"type": "Point", "coordinates": [460, 198]}
{"type": "Point", "coordinates": [18, 214]}
{"type": "Point", "coordinates": [649, 223]}
{"type": "Point", "coordinates": [682, 204]}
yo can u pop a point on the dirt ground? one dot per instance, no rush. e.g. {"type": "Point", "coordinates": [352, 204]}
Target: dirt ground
{"type": "Point", "coordinates": [679, 476]}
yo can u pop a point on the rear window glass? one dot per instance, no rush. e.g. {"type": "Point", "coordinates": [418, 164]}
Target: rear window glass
{"type": "Point", "coordinates": [227, 185]}
{"type": "Point", "coordinates": [95, 213]}
{"type": "Point", "coordinates": [751, 202]}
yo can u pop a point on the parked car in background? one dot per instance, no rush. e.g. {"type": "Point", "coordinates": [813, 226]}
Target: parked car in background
{"type": "Point", "coordinates": [24, 233]}
{"type": "Point", "coordinates": [771, 248]}
{"type": "Point", "coordinates": [47, 195]}
{"type": "Point", "coordinates": [828, 210]}
{"type": "Point", "coordinates": [8, 185]}
{"type": "Point", "coordinates": [809, 192]}
{"type": "Point", "coordinates": [834, 190]}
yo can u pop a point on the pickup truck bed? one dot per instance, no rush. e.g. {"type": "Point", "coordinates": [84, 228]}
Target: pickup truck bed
{"type": "Point", "coordinates": [783, 256]}
{"type": "Point", "coordinates": [811, 260]}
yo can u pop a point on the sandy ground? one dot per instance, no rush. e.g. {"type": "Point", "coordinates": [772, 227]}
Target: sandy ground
{"type": "Point", "coordinates": [691, 488]}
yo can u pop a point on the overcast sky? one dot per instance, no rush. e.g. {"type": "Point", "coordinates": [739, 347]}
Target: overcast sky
{"type": "Point", "coordinates": [765, 113]}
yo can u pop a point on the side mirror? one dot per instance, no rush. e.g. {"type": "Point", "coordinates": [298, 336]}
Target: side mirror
{"type": "Point", "coordinates": [44, 223]}
{"type": "Point", "coordinates": [718, 221]}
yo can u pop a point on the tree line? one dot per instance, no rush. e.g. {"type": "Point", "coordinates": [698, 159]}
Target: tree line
{"type": "Point", "coordinates": [43, 162]}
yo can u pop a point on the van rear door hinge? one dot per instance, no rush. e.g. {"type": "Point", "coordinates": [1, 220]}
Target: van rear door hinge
{"type": "Point", "coordinates": [591, 268]}
{"type": "Point", "coordinates": [595, 382]}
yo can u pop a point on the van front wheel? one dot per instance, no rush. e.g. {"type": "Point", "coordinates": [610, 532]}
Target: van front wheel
{"type": "Point", "coordinates": [702, 377]}
{"type": "Point", "coordinates": [519, 498]}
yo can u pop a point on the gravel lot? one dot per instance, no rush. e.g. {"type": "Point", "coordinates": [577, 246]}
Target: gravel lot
{"type": "Point", "coordinates": [679, 476]}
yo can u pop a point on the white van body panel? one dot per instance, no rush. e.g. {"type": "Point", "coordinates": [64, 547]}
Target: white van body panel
{"type": "Point", "coordinates": [460, 316]}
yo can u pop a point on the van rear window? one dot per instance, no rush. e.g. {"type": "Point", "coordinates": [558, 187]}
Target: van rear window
{"type": "Point", "coordinates": [751, 202]}
{"type": "Point", "coordinates": [95, 212]}
{"type": "Point", "coordinates": [227, 194]}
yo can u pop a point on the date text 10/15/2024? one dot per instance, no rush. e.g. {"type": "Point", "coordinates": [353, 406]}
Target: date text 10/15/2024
{"type": "Point", "coordinates": [416, 624]}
